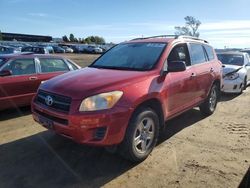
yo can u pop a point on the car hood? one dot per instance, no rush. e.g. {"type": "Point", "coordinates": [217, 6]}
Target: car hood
{"type": "Point", "coordinates": [230, 68]}
{"type": "Point", "coordinates": [90, 81]}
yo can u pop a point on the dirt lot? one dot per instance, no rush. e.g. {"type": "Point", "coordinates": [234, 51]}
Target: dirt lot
{"type": "Point", "coordinates": [81, 59]}
{"type": "Point", "coordinates": [194, 152]}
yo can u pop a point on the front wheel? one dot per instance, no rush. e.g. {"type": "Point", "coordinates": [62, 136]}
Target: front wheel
{"type": "Point", "coordinates": [245, 83]}
{"type": "Point", "coordinates": [141, 135]}
{"type": "Point", "coordinates": [209, 105]}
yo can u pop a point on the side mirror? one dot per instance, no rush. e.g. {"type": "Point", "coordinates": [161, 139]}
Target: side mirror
{"type": "Point", "coordinates": [176, 66]}
{"type": "Point", "coordinates": [5, 73]}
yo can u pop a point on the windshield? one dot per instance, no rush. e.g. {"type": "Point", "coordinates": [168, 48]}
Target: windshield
{"type": "Point", "coordinates": [231, 59]}
{"type": "Point", "coordinates": [2, 61]}
{"type": "Point", "coordinates": [131, 56]}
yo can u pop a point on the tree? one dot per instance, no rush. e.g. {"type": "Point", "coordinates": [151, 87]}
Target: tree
{"type": "Point", "coordinates": [71, 38]}
{"type": "Point", "coordinates": [191, 27]}
{"type": "Point", "coordinates": [65, 38]}
{"type": "Point", "coordinates": [95, 39]}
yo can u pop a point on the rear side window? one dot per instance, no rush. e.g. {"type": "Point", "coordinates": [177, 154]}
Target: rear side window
{"type": "Point", "coordinates": [21, 66]}
{"type": "Point", "coordinates": [53, 65]}
{"type": "Point", "coordinates": [197, 54]}
{"type": "Point", "coordinates": [210, 52]}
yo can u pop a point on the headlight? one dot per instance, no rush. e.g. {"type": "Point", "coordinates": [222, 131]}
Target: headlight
{"type": "Point", "coordinates": [101, 101]}
{"type": "Point", "coordinates": [232, 76]}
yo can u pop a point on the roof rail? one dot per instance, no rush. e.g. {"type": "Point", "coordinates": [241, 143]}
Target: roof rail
{"type": "Point", "coordinates": [157, 36]}
{"type": "Point", "coordinates": [26, 53]}
{"type": "Point", "coordinates": [172, 36]}
{"type": "Point", "coordinates": [191, 37]}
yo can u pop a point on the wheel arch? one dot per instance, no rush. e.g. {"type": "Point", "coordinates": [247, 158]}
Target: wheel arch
{"type": "Point", "coordinates": [155, 105]}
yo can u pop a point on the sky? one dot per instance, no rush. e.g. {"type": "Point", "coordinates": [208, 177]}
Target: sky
{"type": "Point", "coordinates": [225, 23]}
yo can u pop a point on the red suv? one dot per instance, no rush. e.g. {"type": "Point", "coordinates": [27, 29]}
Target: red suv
{"type": "Point", "coordinates": [125, 97]}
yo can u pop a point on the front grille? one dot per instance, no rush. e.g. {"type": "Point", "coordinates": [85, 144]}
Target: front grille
{"type": "Point", "coordinates": [53, 118]}
{"type": "Point", "coordinates": [60, 103]}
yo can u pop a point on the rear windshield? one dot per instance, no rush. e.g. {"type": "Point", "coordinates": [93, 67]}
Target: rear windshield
{"type": "Point", "coordinates": [231, 59]}
{"type": "Point", "coordinates": [131, 56]}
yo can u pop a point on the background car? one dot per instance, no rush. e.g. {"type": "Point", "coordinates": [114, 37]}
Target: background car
{"type": "Point", "coordinates": [247, 50]}
{"type": "Point", "coordinates": [236, 71]}
{"type": "Point", "coordinates": [21, 75]}
{"type": "Point", "coordinates": [58, 49]}
{"type": "Point", "coordinates": [35, 49]}
{"type": "Point", "coordinates": [8, 50]}
{"type": "Point", "coordinates": [68, 49]}
{"type": "Point", "coordinates": [94, 49]}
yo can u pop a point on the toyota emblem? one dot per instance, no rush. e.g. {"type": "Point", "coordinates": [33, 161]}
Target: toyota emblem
{"type": "Point", "coordinates": [49, 100]}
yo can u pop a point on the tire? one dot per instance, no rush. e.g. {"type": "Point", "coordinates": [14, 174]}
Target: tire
{"type": "Point", "coordinates": [141, 135]}
{"type": "Point", "coordinates": [245, 83]}
{"type": "Point", "coordinates": [209, 105]}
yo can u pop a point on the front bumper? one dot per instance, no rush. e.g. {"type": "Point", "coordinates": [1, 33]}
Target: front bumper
{"type": "Point", "coordinates": [103, 128]}
{"type": "Point", "coordinates": [232, 86]}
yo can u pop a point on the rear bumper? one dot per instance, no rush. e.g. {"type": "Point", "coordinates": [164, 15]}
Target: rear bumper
{"type": "Point", "coordinates": [232, 86]}
{"type": "Point", "coordinates": [103, 128]}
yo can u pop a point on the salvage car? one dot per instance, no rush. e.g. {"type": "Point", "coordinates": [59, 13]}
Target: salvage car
{"type": "Point", "coordinates": [8, 50]}
{"type": "Point", "coordinates": [21, 75]}
{"type": "Point", "coordinates": [236, 71]}
{"type": "Point", "coordinates": [125, 97]}
{"type": "Point", "coordinates": [35, 49]}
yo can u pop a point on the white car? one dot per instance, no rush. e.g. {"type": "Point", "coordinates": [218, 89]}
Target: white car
{"type": "Point", "coordinates": [94, 49]}
{"type": "Point", "coordinates": [236, 71]}
{"type": "Point", "coordinates": [68, 49]}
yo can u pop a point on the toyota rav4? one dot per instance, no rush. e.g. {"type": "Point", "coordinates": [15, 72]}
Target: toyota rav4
{"type": "Point", "coordinates": [125, 97]}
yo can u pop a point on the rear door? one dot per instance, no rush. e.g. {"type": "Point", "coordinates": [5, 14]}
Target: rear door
{"type": "Point", "coordinates": [51, 67]}
{"type": "Point", "coordinates": [203, 68]}
{"type": "Point", "coordinates": [19, 88]}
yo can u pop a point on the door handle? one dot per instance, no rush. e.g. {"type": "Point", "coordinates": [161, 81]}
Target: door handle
{"type": "Point", "coordinates": [33, 78]}
{"type": "Point", "coordinates": [193, 75]}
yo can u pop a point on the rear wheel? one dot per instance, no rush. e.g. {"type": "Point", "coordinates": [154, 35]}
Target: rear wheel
{"type": "Point", "coordinates": [141, 135]}
{"type": "Point", "coordinates": [209, 105]}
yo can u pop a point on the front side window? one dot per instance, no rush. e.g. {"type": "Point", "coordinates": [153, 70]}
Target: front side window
{"type": "Point", "coordinates": [21, 67]}
{"type": "Point", "coordinates": [180, 53]}
{"type": "Point", "coordinates": [131, 56]}
{"type": "Point", "coordinates": [231, 59]}
{"type": "Point", "coordinates": [197, 54]}
{"type": "Point", "coordinates": [53, 65]}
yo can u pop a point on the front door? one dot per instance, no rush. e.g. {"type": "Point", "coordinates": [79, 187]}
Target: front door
{"type": "Point", "coordinates": [181, 86]}
{"type": "Point", "coordinates": [18, 88]}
